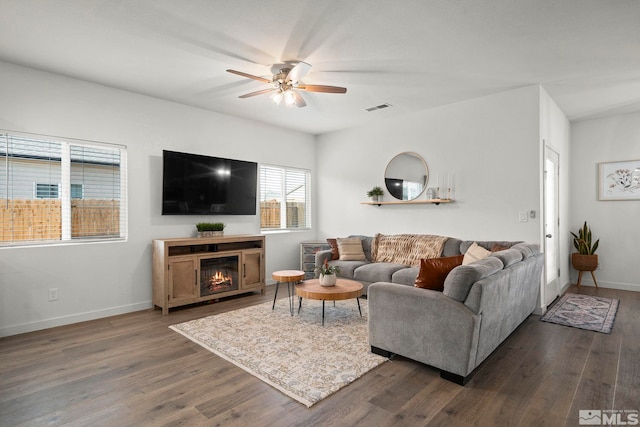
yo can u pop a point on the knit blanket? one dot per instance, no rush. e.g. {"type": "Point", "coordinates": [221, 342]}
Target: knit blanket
{"type": "Point", "coordinates": [406, 249]}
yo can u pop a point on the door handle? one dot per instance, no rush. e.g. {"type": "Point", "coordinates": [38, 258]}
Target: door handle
{"type": "Point", "coordinates": [548, 236]}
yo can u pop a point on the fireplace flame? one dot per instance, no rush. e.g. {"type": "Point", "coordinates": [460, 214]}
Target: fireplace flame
{"type": "Point", "coordinates": [219, 279]}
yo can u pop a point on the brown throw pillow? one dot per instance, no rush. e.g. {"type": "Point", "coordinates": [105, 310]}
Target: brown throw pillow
{"type": "Point", "coordinates": [498, 248]}
{"type": "Point", "coordinates": [433, 271]}
{"type": "Point", "coordinates": [334, 248]}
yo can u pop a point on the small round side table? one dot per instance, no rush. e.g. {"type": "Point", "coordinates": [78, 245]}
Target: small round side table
{"type": "Point", "coordinates": [290, 277]}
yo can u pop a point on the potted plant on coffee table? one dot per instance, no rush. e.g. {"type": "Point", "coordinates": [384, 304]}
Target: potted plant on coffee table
{"type": "Point", "coordinates": [375, 193]}
{"type": "Point", "coordinates": [585, 259]}
{"type": "Point", "coordinates": [327, 273]}
{"type": "Point", "coordinates": [210, 229]}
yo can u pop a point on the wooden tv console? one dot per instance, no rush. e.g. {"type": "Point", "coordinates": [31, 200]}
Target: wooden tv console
{"type": "Point", "coordinates": [191, 270]}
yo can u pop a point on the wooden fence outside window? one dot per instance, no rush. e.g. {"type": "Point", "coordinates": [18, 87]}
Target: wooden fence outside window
{"type": "Point", "coordinates": [270, 215]}
{"type": "Point", "coordinates": [41, 219]}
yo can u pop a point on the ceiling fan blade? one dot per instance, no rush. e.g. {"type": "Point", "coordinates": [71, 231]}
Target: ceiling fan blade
{"type": "Point", "coordinates": [299, 100]}
{"type": "Point", "coordinates": [250, 76]}
{"type": "Point", "coordinates": [320, 88]}
{"type": "Point", "coordinates": [298, 72]}
{"type": "Point", "coordinates": [258, 92]}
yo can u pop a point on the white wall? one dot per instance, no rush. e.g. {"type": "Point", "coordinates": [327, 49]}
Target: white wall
{"type": "Point", "coordinates": [96, 280]}
{"type": "Point", "coordinates": [616, 223]}
{"type": "Point", "coordinates": [489, 145]}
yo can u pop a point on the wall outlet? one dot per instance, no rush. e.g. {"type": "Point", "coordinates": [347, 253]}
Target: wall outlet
{"type": "Point", "coordinates": [53, 294]}
{"type": "Point", "coordinates": [523, 217]}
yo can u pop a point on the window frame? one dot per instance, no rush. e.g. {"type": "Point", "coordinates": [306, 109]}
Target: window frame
{"type": "Point", "coordinates": [284, 220]}
{"type": "Point", "coordinates": [66, 161]}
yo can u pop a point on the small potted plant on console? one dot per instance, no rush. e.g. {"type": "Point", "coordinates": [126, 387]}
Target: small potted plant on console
{"type": "Point", "coordinates": [210, 229]}
{"type": "Point", "coordinates": [327, 273]}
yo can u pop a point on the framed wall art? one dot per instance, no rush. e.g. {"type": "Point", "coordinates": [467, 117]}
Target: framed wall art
{"type": "Point", "coordinates": [619, 180]}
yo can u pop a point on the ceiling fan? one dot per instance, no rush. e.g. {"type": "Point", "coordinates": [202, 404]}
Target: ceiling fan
{"type": "Point", "coordinates": [286, 83]}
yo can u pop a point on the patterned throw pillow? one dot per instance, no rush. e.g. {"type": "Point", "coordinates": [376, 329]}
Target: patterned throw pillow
{"type": "Point", "coordinates": [433, 271]}
{"type": "Point", "coordinates": [350, 249]}
{"type": "Point", "coordinates": [475, 253]}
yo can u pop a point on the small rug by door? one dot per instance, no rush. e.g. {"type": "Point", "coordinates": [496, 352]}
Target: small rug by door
{"type": "Point", "coordinates": [295, 354]}
{"type": "Point", "coordinates": [584, 312]}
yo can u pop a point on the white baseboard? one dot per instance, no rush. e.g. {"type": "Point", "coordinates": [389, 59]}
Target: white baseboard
{"type": "Point", "coordinates": [612, 285]}
{"type": "Point", "coordinates": [74, 318]}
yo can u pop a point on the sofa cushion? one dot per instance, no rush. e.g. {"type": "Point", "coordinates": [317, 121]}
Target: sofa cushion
{"type": "Point", "coordinates": [487, 244]}
{"type": "Point", "coordinates": [376, 272]}
{"type": "Point", "coordinates": [475, 253]}
{"type": "Point", "coordinates": [527, 249]}
{"type": "Point", "coordinates": [350, 249]}
{"type": "Point", "coordinates": [460, 279]}
{"type": "Point", "coordinates": [407, 249]}
{"type": "Point", "coordinates": [406, 276]}
{"type": "Point", "coordinates": [366, 244]}
{"type": "Point", "coordinates": [333, 243]}
{"type": "Point", "coordinates": [508, 256]}
{"type": "Point", "coordinates": [433, 271]}
{"type": "Point", "coordinates": [451, 247]}
{"type": "Point", "coordinates": [348, 268]}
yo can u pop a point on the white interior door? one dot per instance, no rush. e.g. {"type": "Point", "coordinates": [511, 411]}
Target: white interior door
{"type": "Point", "coordinates": [551, 221]}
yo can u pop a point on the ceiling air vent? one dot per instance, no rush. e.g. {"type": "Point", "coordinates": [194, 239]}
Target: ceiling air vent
{"type": "Point", "coordinates": [378, 107]}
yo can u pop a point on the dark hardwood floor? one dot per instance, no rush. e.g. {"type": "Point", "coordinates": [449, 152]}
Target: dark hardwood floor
{"type": "Point", "coordinates": [132, 370]}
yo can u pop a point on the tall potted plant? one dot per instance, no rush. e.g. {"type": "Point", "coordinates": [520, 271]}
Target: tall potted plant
{"type": "Point", "coordinates": [585, 259]}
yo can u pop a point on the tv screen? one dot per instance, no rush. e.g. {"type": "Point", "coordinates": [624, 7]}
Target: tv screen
{"type": "Point", "coordinates": [201, 185]}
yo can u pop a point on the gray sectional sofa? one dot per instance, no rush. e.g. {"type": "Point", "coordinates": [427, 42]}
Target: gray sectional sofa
{"type": "Point", "coordinates": [457, 329]}
{"type": "Point", "coordinates": [368, 272]}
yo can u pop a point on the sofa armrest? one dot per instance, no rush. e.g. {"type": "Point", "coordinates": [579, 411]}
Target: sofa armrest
{"type": "Point", "coordinates": [423, 325]}
{"type": "Point", "coordinates": [321, 256]}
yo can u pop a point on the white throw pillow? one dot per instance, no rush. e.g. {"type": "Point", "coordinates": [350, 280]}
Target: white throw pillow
{"type": "Point", "coordinates": [350, 249]}
{"type": "Point", "coordinates": [475, 253]}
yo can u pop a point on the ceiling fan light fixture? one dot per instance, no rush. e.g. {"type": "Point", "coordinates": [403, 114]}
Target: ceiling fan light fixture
{"type": "Point", "coordinates": [277, 98]}
{"type": "Point", "coordinates": [289, 98]}
{"type": "Point", "coordinates": [284, 83]}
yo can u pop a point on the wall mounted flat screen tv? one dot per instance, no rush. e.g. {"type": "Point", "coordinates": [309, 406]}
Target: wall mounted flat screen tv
{"type": "Point", "coordinates": [201, 185]}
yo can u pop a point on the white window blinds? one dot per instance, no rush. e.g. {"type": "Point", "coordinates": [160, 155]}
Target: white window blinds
{"type": "Point", "coordinates": [284, 198]}
{"type": "Point", "coordinates": [54, 190]}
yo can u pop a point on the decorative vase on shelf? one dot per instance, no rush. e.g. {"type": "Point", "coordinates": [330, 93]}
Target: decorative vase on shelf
{"type": "Point", "coordinates": [328, 279]}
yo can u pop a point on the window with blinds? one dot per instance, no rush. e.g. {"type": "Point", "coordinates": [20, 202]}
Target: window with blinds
{"type": "Point", "coordinates": [284, 198]}
{"type": "Point", "coordinates": [54, 190]}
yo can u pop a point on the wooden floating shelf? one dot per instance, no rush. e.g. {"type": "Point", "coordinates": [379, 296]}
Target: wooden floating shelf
{"type": "Point", "coordinates": [410, 202]}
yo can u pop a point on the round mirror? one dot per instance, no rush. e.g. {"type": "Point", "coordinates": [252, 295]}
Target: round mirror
{"type": "Point", "coordinates": [406, 176]}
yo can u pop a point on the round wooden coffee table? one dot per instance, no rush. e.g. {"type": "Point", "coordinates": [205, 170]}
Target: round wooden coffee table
{"type": "Point", "coordinates": [290, 277]}
{"type": "Point", "coordinates": [342, 290]}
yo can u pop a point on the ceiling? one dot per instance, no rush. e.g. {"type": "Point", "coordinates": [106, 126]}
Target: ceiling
{"type": "Point", "coordinates": [412, 54]}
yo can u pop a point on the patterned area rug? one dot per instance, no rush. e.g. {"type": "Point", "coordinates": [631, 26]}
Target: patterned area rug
{"type": "Point", "coordinates": [584, 312]}
{"type": "Point", "coordinates": [296, 355]}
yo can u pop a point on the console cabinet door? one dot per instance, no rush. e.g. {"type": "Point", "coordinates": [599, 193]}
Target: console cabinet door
{"type": "Point", "coordinates": [252, 269]}
{"type": "Point", "coordinates": [183, 279]}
